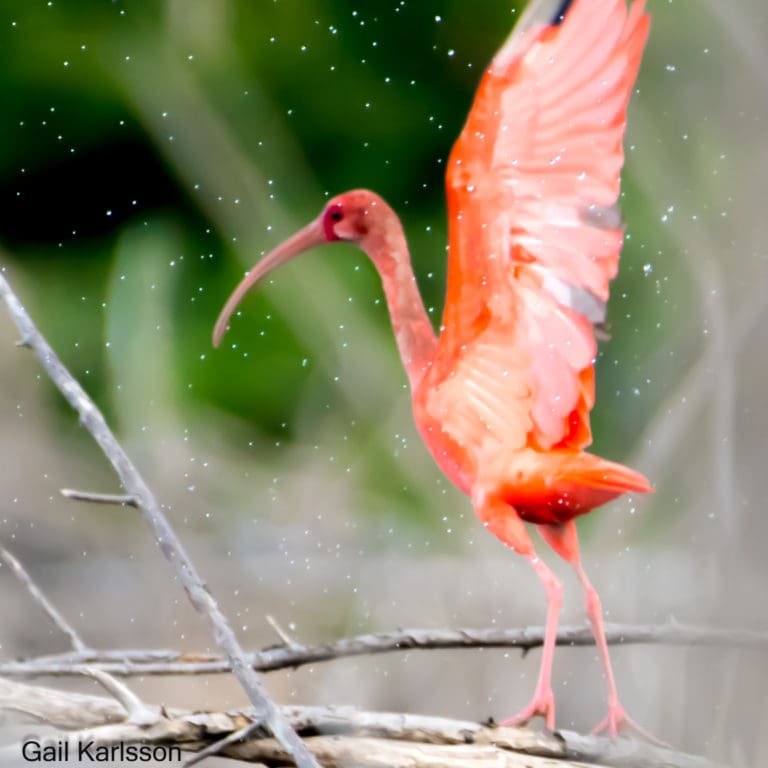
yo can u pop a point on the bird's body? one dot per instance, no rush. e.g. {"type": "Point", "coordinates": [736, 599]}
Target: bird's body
{"type": "Point", "coordinates": [502, 397]}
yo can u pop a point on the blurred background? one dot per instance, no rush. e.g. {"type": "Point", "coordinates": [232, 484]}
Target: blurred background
{"type": "Point", "coordinates": [151, 151]}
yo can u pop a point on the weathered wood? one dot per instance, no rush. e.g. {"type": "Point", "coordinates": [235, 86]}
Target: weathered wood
{"type": "Point", "coordinates": [336, 736]}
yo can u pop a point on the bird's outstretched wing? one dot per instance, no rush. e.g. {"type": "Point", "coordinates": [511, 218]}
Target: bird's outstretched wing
{"type": "Point", "coordinates": [532, 185]}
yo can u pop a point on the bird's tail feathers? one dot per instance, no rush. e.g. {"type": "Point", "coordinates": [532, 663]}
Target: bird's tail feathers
{"type": "Point", "coordinates": [555, 486]}
{"type": "Point", "coordinates": [592, 471]}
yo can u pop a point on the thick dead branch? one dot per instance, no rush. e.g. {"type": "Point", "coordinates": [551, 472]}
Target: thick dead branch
{"type": "Point", "coordinates": [337, 736]}
{"type": "Point", "coordinates": [93, 420]}
{"type": "Point", "coordinates": [292, 655]}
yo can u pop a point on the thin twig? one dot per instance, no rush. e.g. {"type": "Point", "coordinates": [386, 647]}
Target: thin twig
{"type": "Point", "coordinates": [288, 641]}
{"type": "Point", "coordinates": [138, 713]}
{"type": "Point", "coordinates": [219, 746]}
{"type": "Point", "coordinates": [167, 662]}
{"type": "Point", "coordinates": [43, 602]}
{"type": "Point", "coordinates": [124, 499]}
{"type": "Point", "coordinates": [93, 420]}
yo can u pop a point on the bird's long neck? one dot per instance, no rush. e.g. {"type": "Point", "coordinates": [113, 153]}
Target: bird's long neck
{"type": "Point", "coordinates": [415, 336]}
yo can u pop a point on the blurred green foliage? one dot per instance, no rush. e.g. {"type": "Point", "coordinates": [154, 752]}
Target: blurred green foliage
{"type": "Point", "coordinates": [152, 150]}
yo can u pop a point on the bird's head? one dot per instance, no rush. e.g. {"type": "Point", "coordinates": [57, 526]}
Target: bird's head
{"type": "Point", "coordinates": [357, 217]}
{"type": "Point", "coordinates": [360, 217]}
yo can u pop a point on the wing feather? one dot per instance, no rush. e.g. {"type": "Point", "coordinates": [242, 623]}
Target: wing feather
{"type": "Point", "coordinates": [486, 396]}
{"type": "Point", "coordinates": [532, 183]}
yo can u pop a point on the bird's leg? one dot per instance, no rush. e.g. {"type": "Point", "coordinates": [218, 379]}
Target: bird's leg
{"type": "Point", "coordinates": [543, 701]}
{"type": "Point", "coordinates": [617, 719]}
{"type": "Point", "coordinates": [564, 540]}
{"type": "Point", "coordinates": [504, 523]}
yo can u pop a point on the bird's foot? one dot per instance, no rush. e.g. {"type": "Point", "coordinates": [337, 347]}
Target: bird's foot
{"type": "Point", "coordinates": [618, 721]}
{"type": "Point", "coordinates": [541, 705]}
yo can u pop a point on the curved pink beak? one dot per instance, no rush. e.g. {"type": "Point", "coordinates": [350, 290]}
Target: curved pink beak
{"type": "Point", "coordinates": [308, 237]}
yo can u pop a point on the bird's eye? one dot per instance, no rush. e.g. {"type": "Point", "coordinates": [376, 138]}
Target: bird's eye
{"type": "Point", "coordinates": [332, 216]}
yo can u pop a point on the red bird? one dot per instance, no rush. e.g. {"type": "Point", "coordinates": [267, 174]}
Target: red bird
{"type": "Point", "coordinates": [502, 397]}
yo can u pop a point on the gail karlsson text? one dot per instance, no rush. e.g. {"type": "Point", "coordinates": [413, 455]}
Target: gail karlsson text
{"type": "Point", "coordinates": [87, 751]}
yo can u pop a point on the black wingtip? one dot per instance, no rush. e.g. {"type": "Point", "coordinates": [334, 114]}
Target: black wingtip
{"type": "Point", "coordinates": [559, 15]}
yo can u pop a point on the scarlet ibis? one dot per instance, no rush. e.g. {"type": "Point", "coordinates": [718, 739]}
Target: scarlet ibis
{"type": "Point", "coordinates": [502, 397]}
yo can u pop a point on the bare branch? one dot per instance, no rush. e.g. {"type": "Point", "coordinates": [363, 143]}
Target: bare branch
{"type": "Point", "coordinates": [341, 736]}
{"type": "Point", "coordinates": [138, 712]}
{"type": "Point", "coordinates": [93, 420]}
{"type": "Point", "coordinates": [166, 662]}
{"type": "Point", "coordinates": [42, 601]}
{"type": "Point", "coordinates": [218, 747]}
{"type": "Point", "coordinates": [100, 498]}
